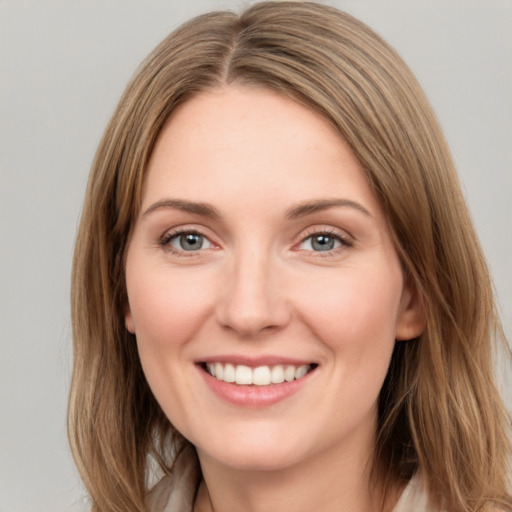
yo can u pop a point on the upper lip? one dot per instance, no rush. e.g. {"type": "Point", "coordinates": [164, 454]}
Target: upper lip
{"type": "Point", "coordinates": [254, 361]}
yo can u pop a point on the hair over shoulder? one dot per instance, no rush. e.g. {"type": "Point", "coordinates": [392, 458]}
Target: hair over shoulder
{"type": "Point", "coordinates": [439, 410]}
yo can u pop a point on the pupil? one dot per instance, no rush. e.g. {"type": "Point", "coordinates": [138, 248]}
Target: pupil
{"type": "Point", "coordinates": [190, 242]}
{"type": "Point", "coordinates": [322, 243]}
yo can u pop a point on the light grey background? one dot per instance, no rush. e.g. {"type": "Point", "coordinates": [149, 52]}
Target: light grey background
{"type": "Point", "coordinates": [63, 65]}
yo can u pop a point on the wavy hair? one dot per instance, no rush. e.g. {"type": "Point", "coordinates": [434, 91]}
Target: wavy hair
{"type": "Point", "coordinates": [439, 410]}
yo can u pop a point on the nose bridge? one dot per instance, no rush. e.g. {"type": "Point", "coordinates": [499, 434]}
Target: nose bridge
{"type": "Point", "coordinates": [253, 299]}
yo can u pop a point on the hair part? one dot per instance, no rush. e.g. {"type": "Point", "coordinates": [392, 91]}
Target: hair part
{"type": "Point", "coordinates": [439, 410]}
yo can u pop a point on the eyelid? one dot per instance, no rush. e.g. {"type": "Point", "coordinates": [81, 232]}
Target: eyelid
{"type": "Point", "coordinates": [168, 235]}
{"type": "Point", "coordinates": [346, 239]}
{"type": "Point", "coordinates": [176, 240]}
{"type": "Point", "coordinates": [342, 236]}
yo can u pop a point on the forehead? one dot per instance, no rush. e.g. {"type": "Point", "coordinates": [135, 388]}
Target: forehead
{"type": "Point", "coordinates": [246, 143]}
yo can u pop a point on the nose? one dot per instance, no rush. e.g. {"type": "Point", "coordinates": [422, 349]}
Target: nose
{"type": "Point", "coordinates": [253, 297]}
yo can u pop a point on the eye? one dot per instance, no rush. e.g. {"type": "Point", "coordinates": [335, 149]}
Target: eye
{"type": "Point", "coordinates": [189, 241]}
{"type": "Point", "coordinates": [323, 242]}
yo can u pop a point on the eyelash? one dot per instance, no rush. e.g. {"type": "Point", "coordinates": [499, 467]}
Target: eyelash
{"type": "Point", "coordinates": [169, 236]}
{"type": "Point", "coordinates": [344, 241]}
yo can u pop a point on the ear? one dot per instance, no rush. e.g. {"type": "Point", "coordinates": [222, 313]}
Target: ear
{"type": "Point", "coordinates": [128, 320]}
{"type": "Point", "coordinates": [411, 321]}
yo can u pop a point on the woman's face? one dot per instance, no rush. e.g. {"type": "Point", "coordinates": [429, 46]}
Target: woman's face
{"type": "Point", "coordinates": [262, 256]}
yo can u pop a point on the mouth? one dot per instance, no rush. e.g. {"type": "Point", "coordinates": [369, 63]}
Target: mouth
{"type": "Point", "coordinates": [264, 375]}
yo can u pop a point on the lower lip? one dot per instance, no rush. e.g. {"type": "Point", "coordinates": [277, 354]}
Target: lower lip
{"type": "Point", "coordinates": [254, 396]}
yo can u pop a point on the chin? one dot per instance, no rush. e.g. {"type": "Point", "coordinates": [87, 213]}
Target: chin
{"type": "Point", "coordinates": [255, 453]}
{"type": "Point", "coordinates": [257, 459]}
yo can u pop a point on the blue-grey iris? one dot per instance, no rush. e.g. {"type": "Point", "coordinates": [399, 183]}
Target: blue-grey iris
{"type": "Point", "coordinates": [191, 242]}
{"type": "Point", "coordinates": [322, 243]}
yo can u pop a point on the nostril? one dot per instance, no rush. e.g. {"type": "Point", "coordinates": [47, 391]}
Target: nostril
{"type": "Point", "coordinates": [251, 300]}
{"type": "Point", "coordinates": [250, 322]}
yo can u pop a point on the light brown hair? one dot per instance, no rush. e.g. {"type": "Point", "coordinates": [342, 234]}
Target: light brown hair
{"type": "Point", "coordinates": [439, 410]}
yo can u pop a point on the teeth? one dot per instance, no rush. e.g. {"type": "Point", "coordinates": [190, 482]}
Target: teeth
{"type": "Point", "coordinates": [301, 371]}
{"type": "Point", "coordinates": [229, 373]}
{"type": "Point", "coordinates": [219, 371]}
{"type": "Point", "coordinates": [243, 375]}
{"type": "Point", "coordinates": [277, 375]}
{"type": "Point", "coordinates": [259, 376]}
{"type": "Point", "coordinates": [289, 373]}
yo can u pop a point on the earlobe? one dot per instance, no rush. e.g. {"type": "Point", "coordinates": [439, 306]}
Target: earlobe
{"type": "Point", "coordinates": [128, 320]}
{"type": "Point", "coordinates": [411, 321]}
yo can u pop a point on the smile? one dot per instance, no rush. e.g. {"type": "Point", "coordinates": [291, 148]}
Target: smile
{"type": "Point", "coordinates": [258, 376]}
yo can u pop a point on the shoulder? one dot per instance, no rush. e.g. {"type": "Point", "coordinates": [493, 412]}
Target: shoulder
{"type": "Point", "coordinates": [415, 497]}
{"type": "Point", "coordinates": [158, 497]}
{"type": "Point", "coordinates": [176, 492]}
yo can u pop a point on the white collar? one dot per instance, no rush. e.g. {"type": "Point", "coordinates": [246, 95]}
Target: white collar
{"type": "Point", "coordinates": [177, 492]}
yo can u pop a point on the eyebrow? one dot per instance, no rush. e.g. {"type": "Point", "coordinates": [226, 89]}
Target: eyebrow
{"type": "Point", "coordinates": [204, 209]}
{"type": "Point", "coordinates": [309, 207]}
{"type": "Point", "coordinates": [297, 211]}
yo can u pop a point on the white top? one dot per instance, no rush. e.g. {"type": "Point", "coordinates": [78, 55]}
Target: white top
{"type": "Point", "coordinates": [176, 493]}
{"type": "Point", "coordinates": [415, 498]}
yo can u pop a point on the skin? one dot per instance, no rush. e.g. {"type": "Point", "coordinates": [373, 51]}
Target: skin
{"type": "Point", "coordinates": [258, 287]}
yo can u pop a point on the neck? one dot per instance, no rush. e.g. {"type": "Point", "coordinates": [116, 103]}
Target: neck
{"type": "Point", "coordinates": [333, 480]}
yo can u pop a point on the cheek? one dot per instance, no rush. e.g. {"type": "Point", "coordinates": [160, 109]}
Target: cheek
{"type": "Point", "coordinates": [167, 306]}
{"type": "Point", "coordinates": [356, 312]}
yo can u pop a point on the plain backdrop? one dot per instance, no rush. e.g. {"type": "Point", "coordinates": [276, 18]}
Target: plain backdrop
{"type": "Point", "coordinates": [63, 66]}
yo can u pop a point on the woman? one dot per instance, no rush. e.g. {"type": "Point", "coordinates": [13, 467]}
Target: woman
{"type": "Point", "coordinates": [278, 294]}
